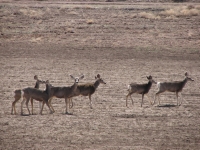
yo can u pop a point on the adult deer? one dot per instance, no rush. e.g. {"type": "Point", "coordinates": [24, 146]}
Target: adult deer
{"type": "Point", "coordinates": [18, 94]}
{"type": "Point", "coordinates": [88, 89]}
{"type": "Point", "coordinates": [139, 89]}
{"type": "Point", "coordinates": [38, 95]}
{"type": "Point", "coordinates": [176, 86]}
{"type": "Point", "coordinates": [64, 92]}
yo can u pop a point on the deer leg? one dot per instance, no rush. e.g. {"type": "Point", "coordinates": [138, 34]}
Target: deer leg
{"type": "Point", "coordinates": [158, 95]}
{"type": "Point", "coordinates": [70, 101]}
{"type": "Point", "coordinates": [142, 99]}
{"type": "Point", "coordinates": [67, 104]}
{"type": "Point", "coordinates": [46, 101]}
{"type": "Point", "coordinates": [150, 102]}
{"type": "Point", "coordinates": [17, 98]}
{"type": "Point", "coordinates": [177, 98]}
{"type": "Point", "coordinates": [127, 100]}
{"type": "Point", "coordinates": [181, 99]}
{"type": "Point", "coordinates": [51, 104]}
{"type": "Point", "coordinates": [155, 98]}
{"type": "Point", "coordinates": [32, 105]}
{"type": "Point", "coordinates": [13, 107]}
{"type": "Point", "coordinates": [90, 101]}
{"type": "Point", "coordinates": [131, 100]}
{"type": "Point", "coordinates": [42, 107]}
{"type": "Point", "coordinates": [27, 101]}
{"type": "Point", "coordinates": [129, 95]}
{"type": "Point", "coordinates": [22, 103]}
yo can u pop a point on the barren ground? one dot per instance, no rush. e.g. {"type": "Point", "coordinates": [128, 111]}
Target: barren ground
{"type": "Point", "coordinates": [124, 43]}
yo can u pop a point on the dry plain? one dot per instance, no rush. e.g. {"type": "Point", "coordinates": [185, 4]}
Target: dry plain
{"type": "Point", "coordinates": [123, 42]}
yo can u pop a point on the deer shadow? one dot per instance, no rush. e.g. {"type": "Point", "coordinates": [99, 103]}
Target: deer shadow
{"type": "Point", "coordinates": [167, 105]}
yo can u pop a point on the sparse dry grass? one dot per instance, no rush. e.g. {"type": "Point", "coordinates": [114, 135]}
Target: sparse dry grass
{"type": "Point", "coordinates": [181, 11]}
{"type": "Point", "coordinates": [148, 15]}
{"type": "Point", "coordinates": [90, 21]}
{"type": "Point", "coordinates": [31, 13]}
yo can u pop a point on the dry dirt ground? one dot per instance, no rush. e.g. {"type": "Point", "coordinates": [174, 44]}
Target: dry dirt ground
{"type": "Point", "coordinates": [123, 42]}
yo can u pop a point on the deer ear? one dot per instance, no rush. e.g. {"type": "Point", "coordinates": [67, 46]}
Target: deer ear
{"type": "Point", "coordinates": [35, 77]}
{"type": "Point", "coordinates": [81, 77]}
{"type": "Point", "coordinates": [147, 77]}
{"type": "Point", "coordinates": [98, 76]}
{"type": "Point", "coordinates": [72, 76]}
{"type": "Point", "coordinates": [186, 74]}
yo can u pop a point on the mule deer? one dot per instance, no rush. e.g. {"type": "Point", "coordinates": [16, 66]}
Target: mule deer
{"type": "Point", "coordinates": [175, 86]}
{"type": "Point", "coordinates": [88, 89]}
{"type": "Point", "coordinates": [139, 89]}
{"type": "Point", "coordinates": [64, 92]}
{"type": "Point", "coordinates": [18, 94]}
{"type": "Point", "coordinates": [39, 95]}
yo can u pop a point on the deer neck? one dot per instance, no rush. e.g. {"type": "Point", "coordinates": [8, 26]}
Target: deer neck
{"type": "Point", "coordinates": [48, 89]}
{"type": "Point", "coordinates": [96, 84]}
{"type": "Point", "coordinates": [184, 82]}
{"type": "Point", "coordinates": [37, 84]}
{"type": "Point", "coordinates": [74, 86]}
{"type": "Point", "coordinates": [149, 84]}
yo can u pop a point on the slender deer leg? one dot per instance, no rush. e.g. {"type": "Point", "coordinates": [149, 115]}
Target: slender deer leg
{"type": "Point", "coordinates": [13, 107]}
{"type": "Point", "coordinates": [17, 98]}
{"type": "Point", "coordinates": [40, 105]}
{"type": "Point", "coordinates": [155, 96]}
{"type": "Point", "coordinates": [67, 105]}
{"type": "Point", "coordinates": [177, 98]}
{"type": "Point", "coordinates": [142, 99]}
{"type": "Point", "coordinates": [71, 102]}
{"type": "Point", "coordinates": [158, 99]}
{"type": "Point", "coordinates": [127, 100]}
{"type": "Point", "coordinates": [48, 106]}
{"type": "Point", "coordinates": [181, 98]}
{"type": "Point", "coordinates": [150, 102]}
{"type": "Point", "coordinates": [32, 105]}
{"type": "Point", "coordinates": [131, 99]}
{"type": "Point", "coordinates": [42, 108]}
{"type": "Point", "coordinates": [90, 101]}
{"type": "Point", "coordinates": [22, 103]}
{"type": "Point", "coordinates": [27, 101]}
{"type": "Point", "coordinates": [51, 104]}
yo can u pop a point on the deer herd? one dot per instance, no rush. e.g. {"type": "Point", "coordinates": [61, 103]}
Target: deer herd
{"type": "Point", "coordinates": [87, 89]}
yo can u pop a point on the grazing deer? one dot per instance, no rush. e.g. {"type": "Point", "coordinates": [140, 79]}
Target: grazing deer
{"type": "Point", "coordinates": [88, 89]}
{"type": "Point", "coordinates": [175, 86]}
{"type": "Point", "coordinates": [139, 89]}
{"type": "Point", "coordinates": [64, 92]}
{"type": "Point", "coordinates": [18, 94]}
{"type": "Point", "coordinates": [36, 94]}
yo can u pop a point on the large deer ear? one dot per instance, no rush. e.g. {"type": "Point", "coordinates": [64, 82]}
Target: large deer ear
{"type": "Point", "coordinates": [82, 77]}
{"type": "Point", "coordinates": [186, 74]}
{"type": "Point", "coordinates": [147, 77]}
{"type": "Point", "coordinates": [98, 76]}
{"type": "Point", "coordinates": [36, 77]}
{"type": "Point", "coordinates": [72, 76]}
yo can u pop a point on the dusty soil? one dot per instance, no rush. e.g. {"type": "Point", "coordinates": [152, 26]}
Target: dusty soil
{"type": "Point", "coordinates": [123, 42]}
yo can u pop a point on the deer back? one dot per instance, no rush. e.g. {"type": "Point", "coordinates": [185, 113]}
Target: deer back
{"type": "Point", "coordinates": [36, 94]}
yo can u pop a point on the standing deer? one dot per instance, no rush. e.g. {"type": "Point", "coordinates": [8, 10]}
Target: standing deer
{"type": "Point", "coordinates": [36, 94]}
{"type": "Point", "coordinates": [175, 86]}
{"type": "Point", "coordinates": [64, 92]}
{"type": "Point", "coordinates": [88, 89]}
{"type": "Point", "coordinates": [18, 94]}
{"type": "Point", "coordinates": [139, 89]}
